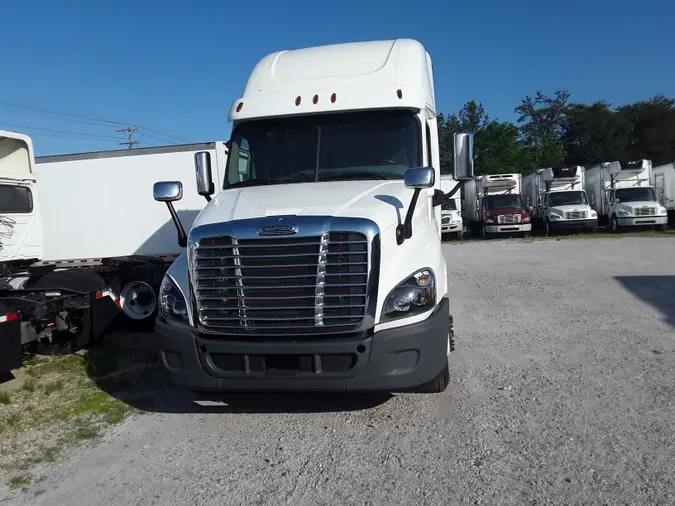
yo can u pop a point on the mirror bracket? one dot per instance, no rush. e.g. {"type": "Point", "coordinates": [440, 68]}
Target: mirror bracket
{"type": "Point", "coordinates": [182, 236]}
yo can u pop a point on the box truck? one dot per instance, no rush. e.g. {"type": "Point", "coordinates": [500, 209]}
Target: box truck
{"type": "Point", "coordinates": [558, 200]}
{"type": "Point", "coordinates": [663, 181]}
{"type": "Point", "coordinates": [622, 195]}
{"type": "Point", "coordinates": [451, 208]}
{"type": "Point", "coordinates": [493, 206]}
{"type": "Point", "coordinates": [318, 267]}
{"type": "Point", "coordinates": [79, 240]}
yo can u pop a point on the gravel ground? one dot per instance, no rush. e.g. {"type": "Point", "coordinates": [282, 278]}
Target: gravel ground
{"type": "Point", "coordinates": [562, 392]}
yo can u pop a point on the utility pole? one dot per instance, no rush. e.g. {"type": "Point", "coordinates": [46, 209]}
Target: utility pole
{"type": "Point", "coordinates": [129, 131]}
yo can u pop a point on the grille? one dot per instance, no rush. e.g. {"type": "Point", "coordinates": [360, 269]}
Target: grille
{"type": "Point", "coordinates": [508, 218]}
{"type": "Point", "coordinates": [576, 215]}
{"type": "Point", "coordinates": [645, 211]}
{"type": "Point", "coordinates": [281, 285]}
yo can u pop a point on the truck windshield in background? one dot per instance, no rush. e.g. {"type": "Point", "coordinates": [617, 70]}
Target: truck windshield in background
{"type": "Point", "coordinates": [644, 194]}
{"type": "Point", "coordinates": [496, 202]}
{"type": "Point", "coordinates": [567, 198]}
{"type": "Point", "coordinates": [362, 145]}
{"type": "Point", "coordinates": [449, 205]}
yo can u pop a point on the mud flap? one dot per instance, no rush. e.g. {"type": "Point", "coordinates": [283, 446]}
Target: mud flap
{"type": "Point", "coordinates": [10, 342]}
{"type": "Point", "coordinates": [104, 308]}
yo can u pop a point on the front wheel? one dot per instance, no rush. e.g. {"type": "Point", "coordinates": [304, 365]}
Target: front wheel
{"type": "Point", "coordinates": [614, 225]}
{"type": "Point", "coordinates": [548, 230]}
{"type": "Point", "coordinates": [661, 228]}
{"type": "Point", "coordinates": [460, 235]}
{"type": "Point", "coordinates": [438, 384]}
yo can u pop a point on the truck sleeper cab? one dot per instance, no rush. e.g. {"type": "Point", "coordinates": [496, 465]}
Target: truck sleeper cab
{"type": "Point", "coordinates": [318, 267]}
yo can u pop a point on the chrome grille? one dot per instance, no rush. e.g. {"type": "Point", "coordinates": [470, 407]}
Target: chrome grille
{"type": "Point", "coordinates": [645, 211]}
{"type": "Point", "coordinates": [576, 215]}
{"type": "Point", "coordinates": [508, 218]}
{"type": "Point", "coordinates": [281, 285]}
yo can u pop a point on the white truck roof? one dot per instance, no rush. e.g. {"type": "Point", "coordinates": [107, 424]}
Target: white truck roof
{"type": "Point", "coordinates": [17, 159]}
{"type": "Point", "coordinates": [339, 77]}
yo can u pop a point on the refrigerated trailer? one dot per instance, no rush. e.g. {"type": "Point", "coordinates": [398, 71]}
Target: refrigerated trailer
{"type": "Point", "coordinates": [493, 206]}
{"type": "Point", "coordinates": [663, 181]}
{"type": "Point", "coordinates": [322, 268]}
{"type": "Point", "coordinates": [558, 200]}
{"type": "Point", "coordinates": [81, 226]}
{"type": "Point", "coordinates": [622, 195]}
{"type": "Point", "coordinates": [451, 208]}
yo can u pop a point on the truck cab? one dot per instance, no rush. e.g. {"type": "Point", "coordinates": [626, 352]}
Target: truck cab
{"type": "Point", "coordinates": [318, 267]}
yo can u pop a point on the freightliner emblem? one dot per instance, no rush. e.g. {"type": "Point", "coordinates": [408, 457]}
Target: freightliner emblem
{"type": "Point", "coordinates": [277, 230]}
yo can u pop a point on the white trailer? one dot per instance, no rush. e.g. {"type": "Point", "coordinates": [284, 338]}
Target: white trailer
{"type": "Point", "coordinates": [83, 221]}
{"type": "Point", "coordinates": [622, 195]}
{"type": "Point", "coordinates": [558, 200]}
{"type": "Point", "coordinates": [493, 206]}
{"type": "Point", "coordinates": [663, 180]}
{"type": "Point", "coordinates": [321, 268]}
{"type": "Point", "coordinates": [451, 208]}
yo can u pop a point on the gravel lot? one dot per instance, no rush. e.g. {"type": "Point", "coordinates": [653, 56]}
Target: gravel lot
{"type": "Point", "coordinates": [562, 392]}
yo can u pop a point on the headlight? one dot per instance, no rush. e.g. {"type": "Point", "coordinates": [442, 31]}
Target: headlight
{"type": "Point", "coordinates": [415, 295]}
{"type": "Point", "coordinates": [171, 301]}
{"type": "Point", "coordinates": [662, 210]}
{"type": "Point", "coordinates": [594, 214]}
{"type": "Point", "coordinates": [623, 213]}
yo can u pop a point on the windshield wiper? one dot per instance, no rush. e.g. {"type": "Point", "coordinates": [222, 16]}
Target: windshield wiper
{"type": "Point", "coordinates": [359, 175]}
{"type": "Point", "coordinates": [249, 182]}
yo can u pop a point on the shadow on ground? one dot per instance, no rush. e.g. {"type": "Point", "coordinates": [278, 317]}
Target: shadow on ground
{"type": "Point", "coordinates": [125, 365]}
{"type": "Point", "coordinates": [658, 291]}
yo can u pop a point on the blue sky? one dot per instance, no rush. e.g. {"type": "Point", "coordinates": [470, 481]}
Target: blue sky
{"type": "Point", "coordinates": [176, 68]}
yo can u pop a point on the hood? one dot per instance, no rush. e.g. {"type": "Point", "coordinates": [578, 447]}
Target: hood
{"type": "Point", "coordinates": [570, 208]}
{"type": "Point", "coordinates": [382, 201]}
{"type": "Point", "coordinates": [629, 206]}
{"type": "Point", "coordinates": [498, 212]}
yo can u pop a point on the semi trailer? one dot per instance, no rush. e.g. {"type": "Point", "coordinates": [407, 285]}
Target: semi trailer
{"type": "Point", "coordinates": [80, 225]}
{"type": "Point", "coordinates": [451, 209]}
{"type": "Point", "coordinates": [493, 206]}
{"type": "Point", "coordinates": [663, 181]}
{"type": "Point", "coordinates": [318, 267]}
{"type": "Point", "coordinates": [622, 195]}
{"type": "Point", "coordinates": [558, 200]}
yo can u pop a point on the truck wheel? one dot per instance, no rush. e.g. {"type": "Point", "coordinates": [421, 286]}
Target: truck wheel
{"type": "Point", "coordinates": [614, 225]}
{"type": "Point", "coordinates": [460, 235]}
{"type": "Point", "coordinates": [661, 228]}
{"type": "Point", "coordinates": [63, 342]}
{"type": "Point", "coordinates": [594, 229]}
{"type": "Point", "coordinates": [548, 230]}
{"type": "Point", "coordinates": [438, 384]}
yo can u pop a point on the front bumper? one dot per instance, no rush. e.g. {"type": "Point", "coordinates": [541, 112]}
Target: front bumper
{"type": "Point", "coordinates": [390, 360]}
{"type": "Point", "coordinates": [642, 221]}
{"type": "Point", "coordinates": [573, 224]}
{"type": "Point", "coordinates": [508, 229]}
{"type": "Point", "coordinates": [447, 228]}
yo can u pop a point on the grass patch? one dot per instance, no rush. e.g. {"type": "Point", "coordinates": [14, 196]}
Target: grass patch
{"type": "Point", "coordinates": [58, 401]}
{"type": "Point", "coordinates": [20, 481]}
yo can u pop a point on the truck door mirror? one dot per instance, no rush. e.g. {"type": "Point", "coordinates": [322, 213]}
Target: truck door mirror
{"type": "Point", "coordinates": [205, 186]}
{"type": "Point", "coordinates": [170, 192]}
{"type": "Point", "coordinates": [419, 178]}
{"type": "Point", "coordinates": [462, 169]}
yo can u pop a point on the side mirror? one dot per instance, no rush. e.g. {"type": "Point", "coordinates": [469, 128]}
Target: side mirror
{"type": "Point", "coordinates": [205, 186]}
{"type": "Point", "coordinates": [462, 169]}
{"type": "Point", "coordinates": [167, 191]}
{"type": "Point", "coordinates": [419, 178]}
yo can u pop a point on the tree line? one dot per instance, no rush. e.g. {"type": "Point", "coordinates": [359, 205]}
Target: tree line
{"type": "Point", "coordinates": [553, 130]}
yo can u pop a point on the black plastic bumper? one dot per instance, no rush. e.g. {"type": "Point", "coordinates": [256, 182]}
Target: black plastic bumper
{"type": "Point", "coordinates": [388, 361]}
{"type": "Point", "coordinates": [573, 224]}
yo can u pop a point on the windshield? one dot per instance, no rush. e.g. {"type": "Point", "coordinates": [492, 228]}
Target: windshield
{"type": "Point", "coordinates": [645, 193]}
{"type": "Point", "coordinates": [494, 202]}
{"type": "Point", "coordinates": [449, 205]}
{"type": "Point", "coordinates": [567, 198]}
{"type": "Point", "coordinates": [333, 147]}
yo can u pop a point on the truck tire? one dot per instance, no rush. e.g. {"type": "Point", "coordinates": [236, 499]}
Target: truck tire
{"type": "Point", "coordinates": [460, 235]}
{"type": "Point", "coordinates": [438, 384]}
{"type": "Point", "coordinates": [614, 225]}
{"type": "Point", "coordinates": [548, 230]}
{"type": "Point", "coordinates": [661, 228]}
{"type": "Point", "coordinates": [73, 279]}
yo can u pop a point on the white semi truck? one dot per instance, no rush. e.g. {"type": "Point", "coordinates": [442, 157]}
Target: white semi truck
{"type": "Point", "coordinates": [319, 267]}
{"type": "Point", "coordinates": [74, 227]}
{"type": "Point", "coordinates": [663, 180]}
{"type": "Point", "coordinates": [451, 208]}
{"type": "Point", "coordinates": [493, 206]}
{"type": "Point", "coordinates": [558, 200]}
{"type": "Point", "coordinates": [622, 195]}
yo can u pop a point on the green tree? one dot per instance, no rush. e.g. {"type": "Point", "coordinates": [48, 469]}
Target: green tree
{"type": "Point", "coordinates": [652, 129]}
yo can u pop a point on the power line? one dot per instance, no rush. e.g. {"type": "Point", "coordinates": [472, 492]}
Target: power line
{"type": "Point", "coordinates": [89, 118]}
{"type": "Point", "coordinates": [129, 131]}
{"type": "Point", "coordinates": [105, 137]}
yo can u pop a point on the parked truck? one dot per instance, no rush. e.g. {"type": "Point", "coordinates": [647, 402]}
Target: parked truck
{"type": "Point", "coordinates": [451, 208]}
{"type": "Point", "coordinates": [319, 267]}
{"type": "Point", "coordinates": [558, 200]}
{"type": "Point", "coordinates": [493, 206]}
{"type": "Point", "coordinates": [663, 181]}
{"type": "Point", "coordinates": [622, 195]}
{"type": "Point", "coordinates": [74, 227]}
